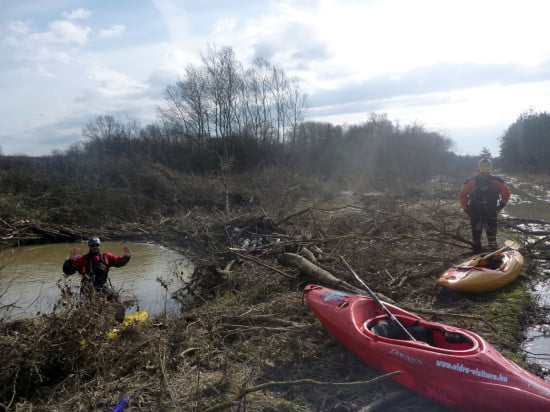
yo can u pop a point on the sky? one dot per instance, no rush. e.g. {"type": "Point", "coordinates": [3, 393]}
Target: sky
{"type": "Point", "coordinates": [465, 69]}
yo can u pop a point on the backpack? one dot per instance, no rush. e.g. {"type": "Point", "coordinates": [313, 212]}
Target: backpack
{"type": "Point", "coordinates": [484, 192]}
{"type": "Point", "coordinates": [99, 271]}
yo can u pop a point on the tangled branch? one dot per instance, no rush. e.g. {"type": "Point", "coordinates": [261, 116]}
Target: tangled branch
{"type": "Point", "coordinates": [245, 391]}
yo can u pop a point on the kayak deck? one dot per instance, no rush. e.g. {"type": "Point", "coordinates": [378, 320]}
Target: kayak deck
{"type": "Point", "coordinates": [451, 365]}
{"type": "Point", "coordinates": [483, 277]}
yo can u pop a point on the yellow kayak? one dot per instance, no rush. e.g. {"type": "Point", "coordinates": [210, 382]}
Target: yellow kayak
{"type": "Point", "coordinates": [129, 319]}
{"type": "Point", "coordinates": [486, 275]}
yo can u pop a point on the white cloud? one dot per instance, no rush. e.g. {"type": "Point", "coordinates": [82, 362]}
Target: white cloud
{"type": "Point", "coordinates": [20, 27]}
{"type": "Point", "coordinates": [50, 47]}
{"type": "Point", "coordinates": [49, 56]}
{"type": "Point", "coordinates": [344, 45]}
{"type": "Point", "coordinates": [62, 31]}
{"type": "Point", "coordinates": [364, 39]}
{"type": "Point", "coordinates": [40, 71]}
{"type": "Point", "coordinates": [15, 30]}
{"type": "Point", "coordinates": [176, 18]}
{"type": "Point", "coordinates": [79, 13]}
{"type": "Point", "coordinates": [110, 83]}
{"type": "Point", "coordinates": [114, 30]}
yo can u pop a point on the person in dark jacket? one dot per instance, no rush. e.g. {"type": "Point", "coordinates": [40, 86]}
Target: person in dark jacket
{"type": "Point", "coordinates": [482, 197]}
{"type": "Point", "coordinates": [94, 269]}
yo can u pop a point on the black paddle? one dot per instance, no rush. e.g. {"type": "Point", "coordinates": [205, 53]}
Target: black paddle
{"type": "Point", "coordinates": [509, 244]}
{"type": "Point", "coordinates": [375, 298]}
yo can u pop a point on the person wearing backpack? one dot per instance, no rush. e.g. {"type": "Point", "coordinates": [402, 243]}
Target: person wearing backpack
{"type": "Point", "coordinates": [482, 197]}
{"type": "Point", "coordinates": [94, 269]}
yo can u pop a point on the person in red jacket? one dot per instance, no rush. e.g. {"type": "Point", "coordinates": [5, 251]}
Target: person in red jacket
{"type": "Point", "coordinates": [482, 197]}
{"type": "Point", "coordinates": [94, 266]}
{"type": "Point", "coordinates": [94, 269]}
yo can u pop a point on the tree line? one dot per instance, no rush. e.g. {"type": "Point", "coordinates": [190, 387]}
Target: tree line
{"type": "Point", "coordinates": [221, 116]}
{"type": "Point", "coordinates": [525, 146]}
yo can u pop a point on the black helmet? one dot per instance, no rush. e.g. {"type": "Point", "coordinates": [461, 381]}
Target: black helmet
{"type": "Point", "coordinates": [94, 240]}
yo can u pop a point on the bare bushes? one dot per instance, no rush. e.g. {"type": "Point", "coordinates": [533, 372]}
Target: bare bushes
{"type": "Point", "coordinates": [53, 353]}
{"type": "Point", "coordinates": [96, 191]}
{"type": "Point", "coordinates": [254, 328]}
{"type": "Point", "coordinates": [248, 324]}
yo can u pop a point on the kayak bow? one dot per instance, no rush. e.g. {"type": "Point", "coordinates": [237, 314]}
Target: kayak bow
{"type": "Point", "coordinates": [451, 365]}
{"type": "Point", "coordinates": [484, 276]}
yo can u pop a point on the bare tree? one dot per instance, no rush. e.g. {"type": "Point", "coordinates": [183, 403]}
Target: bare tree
{"type": "Point", "coordinates": [279, 89]}
{"type": "Point", "coordinates": [224, 76]}
{"type": "Point", "coordinates": [485, 153]}
{"type": "Point", "coordinates": [107, 134]}
{"type": "Point", "coordinates": [220, 99]}
{"type": "Point", "coordinates": [296, 104]}
{"type": "Point", "coordinates": [188, 106]}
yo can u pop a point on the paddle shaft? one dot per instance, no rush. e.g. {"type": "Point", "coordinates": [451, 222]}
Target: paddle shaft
{"type": "Point", "coordinates": [474, 262]}
{"type": "Point", "coordinates": [375, 298]}
{"type": "Point", "coordinates": [494, 253]}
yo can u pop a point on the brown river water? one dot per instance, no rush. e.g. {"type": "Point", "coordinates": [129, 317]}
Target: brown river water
{"type": "Point", "coordinates": [31, 276]}
{"type": "Point", "coordinates": [532, 202]}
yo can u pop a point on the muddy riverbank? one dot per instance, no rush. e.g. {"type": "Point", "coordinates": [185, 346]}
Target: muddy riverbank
{"type": "Point", "coordinates": [247, 324]}
{"type": "Point", "coordinates": [530, 214]}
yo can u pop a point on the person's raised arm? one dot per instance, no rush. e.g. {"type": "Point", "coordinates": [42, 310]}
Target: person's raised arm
{"type": "Point", "coordinates": [118, 261]}
{"type": "Point", "coordinates": [68, 267]}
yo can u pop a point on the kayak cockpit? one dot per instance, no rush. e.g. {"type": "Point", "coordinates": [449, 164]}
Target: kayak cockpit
{"type": "Point", "coordinates": [437, 337]}
{"type": "Point", "coordinates": [498, 261]}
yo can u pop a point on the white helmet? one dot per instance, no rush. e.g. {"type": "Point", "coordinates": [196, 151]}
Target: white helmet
{"type": "Point", "coordinates": [485, 165]}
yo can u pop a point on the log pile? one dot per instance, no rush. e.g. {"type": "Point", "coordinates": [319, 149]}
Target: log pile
{"type": "Point", "coordinates": [22, 232]}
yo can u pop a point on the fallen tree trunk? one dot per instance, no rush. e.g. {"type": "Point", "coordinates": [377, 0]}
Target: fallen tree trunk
{"type": "Point", "coordinates": [323, 276]}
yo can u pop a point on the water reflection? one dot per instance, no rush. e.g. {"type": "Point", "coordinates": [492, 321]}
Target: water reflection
{"type": "Point", "coordinates": [530, 201]}
{"type": "Point", "coordinates": [30, 277]}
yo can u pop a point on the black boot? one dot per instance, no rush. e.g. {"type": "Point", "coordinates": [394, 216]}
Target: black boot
{"type": "Point", "coordinates": [492, 232]}
{"type": "Point", "coordinates": [476, 239]}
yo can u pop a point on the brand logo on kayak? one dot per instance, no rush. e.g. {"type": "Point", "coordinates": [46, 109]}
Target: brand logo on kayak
{"type": "Point", "coordinates": [459, 367]}
{"type": "Point", "coordinates": [334, 296]}
{"type": "Point", "coordinates": [408, 358]}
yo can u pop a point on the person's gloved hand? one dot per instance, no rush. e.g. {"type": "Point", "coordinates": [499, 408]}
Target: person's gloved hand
{"type": "Point", "coordinates": [500, 206]}
{"type": "Point", "coordinates": [74, 254]}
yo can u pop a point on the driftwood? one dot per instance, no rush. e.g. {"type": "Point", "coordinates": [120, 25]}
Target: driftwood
{"type": "Point", "coordinates": [267, 385]}
{"type": "Point", "coordinates": [259, 262]}
{"type": "Point", "coordinates": [313, 209]}
{"type": "Point", "coordinates": [442, 230]}
{"type": "Point", "coordinates": [26, 231]}
{"type": "Point", "coordinates": [309, 254]}
{"type": "Point", "coordinates": [323, 276]}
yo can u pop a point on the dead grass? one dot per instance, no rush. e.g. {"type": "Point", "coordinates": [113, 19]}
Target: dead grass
{"type": "Point", "coordinates": [247, 323]}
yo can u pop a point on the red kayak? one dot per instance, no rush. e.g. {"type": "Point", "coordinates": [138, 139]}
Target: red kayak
{"type": "Point", "coordinates": [451, 365]}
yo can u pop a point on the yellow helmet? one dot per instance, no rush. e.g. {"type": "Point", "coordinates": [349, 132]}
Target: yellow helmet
{"type": "Point", "coordinates": [484, 166]}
